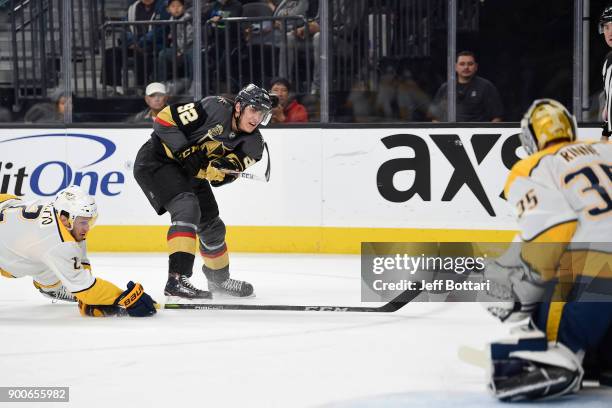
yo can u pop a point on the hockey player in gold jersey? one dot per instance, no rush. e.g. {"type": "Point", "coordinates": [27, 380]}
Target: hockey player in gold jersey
{"type": "Point", "coordinates": [46, 241]}
{"type": "Point", "coordinates": [562, 198]}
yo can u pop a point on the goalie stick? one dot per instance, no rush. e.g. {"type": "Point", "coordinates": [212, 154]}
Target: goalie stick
{"type": "Point", "coordinates": [394, 305]}
{"type": "Point", "coordinates": [473, 356]}
{"type": "Point", "coordinates": [252, 176]}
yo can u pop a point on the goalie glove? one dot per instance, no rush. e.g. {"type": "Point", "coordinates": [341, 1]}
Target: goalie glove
{"type": "Point", "coordinates": [514, 291]}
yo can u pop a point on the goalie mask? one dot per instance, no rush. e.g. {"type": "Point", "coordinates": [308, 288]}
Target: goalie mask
{"type": "Point", "coordinates": [73, 202]}
{"type": "Point", "coordinates": [545, 122]}
{"type": "Point", "coordinates": [259, 99]}
{"type": "Point", "coordinates": [606, 17]}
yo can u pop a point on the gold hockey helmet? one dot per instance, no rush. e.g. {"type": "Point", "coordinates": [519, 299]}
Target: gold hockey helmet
{"type": "Point", "coordinates": [546, 121]}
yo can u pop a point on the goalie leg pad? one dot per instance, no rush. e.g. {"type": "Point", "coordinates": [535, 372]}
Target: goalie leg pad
{"type": "Point", "coordinates": [534, 375]}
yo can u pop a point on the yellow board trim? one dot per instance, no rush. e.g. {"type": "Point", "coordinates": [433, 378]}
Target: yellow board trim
{"type": "Point", "coordinates": [325, 240]}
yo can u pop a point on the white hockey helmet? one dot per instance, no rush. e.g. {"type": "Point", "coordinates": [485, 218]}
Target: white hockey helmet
{"type": "Point", "coordinates": [76, 203]}
{"type": "Point", "coordinates": [546, 121]}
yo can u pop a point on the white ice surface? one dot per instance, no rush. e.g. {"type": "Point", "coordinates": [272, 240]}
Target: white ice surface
{"type": "Point", "coordinates": [249, 358]}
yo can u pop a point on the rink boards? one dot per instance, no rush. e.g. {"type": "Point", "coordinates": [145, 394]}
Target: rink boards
{"type": "Point", "coordinates": [330, 188]}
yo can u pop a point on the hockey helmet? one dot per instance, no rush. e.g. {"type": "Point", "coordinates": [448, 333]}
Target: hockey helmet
{"type": "Point", "coordinates": [258, 98]}
{"type": "Point", "coordinates": [546, 121]}
{"type": "Point", "coordinates": [606, 17]}
{"type": "Point", "coordinates": [75, 202]}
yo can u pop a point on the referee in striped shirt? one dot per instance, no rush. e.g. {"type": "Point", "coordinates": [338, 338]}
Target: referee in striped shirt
{"type": "Point", "coordinates": [605, 28]}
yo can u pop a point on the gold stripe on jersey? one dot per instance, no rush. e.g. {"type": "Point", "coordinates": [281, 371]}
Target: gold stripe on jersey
{"type": "Point", "coordinates": [543, 253]}
{"type": "Point", "coordinates": [6, 197]}
{"type": "Point", "coordinates": [100, 293]}
{"type": "Point", "coordinates": [65, 235]}
{"type": "Point", "coordinates": [524, 167]}
{"type": "Point", "coordinates": [39, 285]}
{"type": "Point", "coordinates": [5, 273]}
{"type": "Point", "coordinates": [86, 266]}
{"type": "Point", "coordinates": [167, 150]}
{"type": "Point", "coordinates": [165, 116]}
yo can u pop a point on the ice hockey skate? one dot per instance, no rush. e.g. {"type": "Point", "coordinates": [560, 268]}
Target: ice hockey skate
{"type": "Point", "coordinates": [221, 285]}
{"type": "Point", "coordinates": [180, 290]}
{"type": "Point", "coordinates": [56, 294]}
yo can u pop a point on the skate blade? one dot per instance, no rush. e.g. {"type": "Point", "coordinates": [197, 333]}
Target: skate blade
{"type": "Point", "coordinates": [186, 301]}
{"type": "Point", "coordinates": [222, 295]}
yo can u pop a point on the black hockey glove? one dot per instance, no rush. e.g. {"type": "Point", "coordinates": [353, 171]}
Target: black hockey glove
{"type": "Point", "coordinates": [219, 165]}
{"type": "Point", "coordinates": [192, 159]}
{"type": "Point", "coordinates": [135, 301]}
{"type": "Point", "coordinates": [604, 130]}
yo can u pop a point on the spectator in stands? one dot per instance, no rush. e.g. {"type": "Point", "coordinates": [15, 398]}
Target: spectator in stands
{"type": "Point", "coordinates": [271, 32]}
{"type": "Point", "coordinates": [141, 42]}
{"type": "Point", "coordinates": [412, 101]}
{"type": "Point", "coordinates": [48, 112]}
{"type": "Point", "coordinates": [183, 42]}
{"type": "Point", "coordinates": [5, 115]}
{"type": "Point", "coordinates": [214, 13]}
{"type": "Point", "coordinates": [345, 18]}
{"type": "Point", "coordinates": [477, 98]}
{"type": "Point", "coordinates": [156, 98]}
{"type": "Point", "coordinates": [386, 94]}
{"type": "Point", "coordinates": [359, 101]}
{"type": "Point", "coordinates": [289, 110]}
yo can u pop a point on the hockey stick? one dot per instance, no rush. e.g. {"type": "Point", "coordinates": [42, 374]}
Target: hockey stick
{"type": "Point", "coordinates": [473, 356]}
{"type": "Point", "coordinates": [252, 176]}
{"type": "Point", "coordinates": [394, 305]}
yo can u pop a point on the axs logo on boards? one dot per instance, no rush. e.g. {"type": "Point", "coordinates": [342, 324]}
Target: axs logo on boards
{"type": "Point", "coordinates": [47, 163]}
{"type": "Point", "coordinates": [464, 172]}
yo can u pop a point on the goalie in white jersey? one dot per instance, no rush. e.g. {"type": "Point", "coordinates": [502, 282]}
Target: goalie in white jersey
{"type": "Point", "coordinates": [46, 241]}
{"type": "Point", "coordinates": [559, 271]}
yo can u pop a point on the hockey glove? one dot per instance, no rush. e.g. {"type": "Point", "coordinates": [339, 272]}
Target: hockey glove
{"type": "Point", "coordinates": [136, 302]}
{"type": "Point", "coordinates": [217, 173]}
{"type": "Point", "coordinates": [514, 291]}
{"type": "Point", "coordinates": [192, 159]}
{"type": "Point", "coordinates": [100, 310]}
